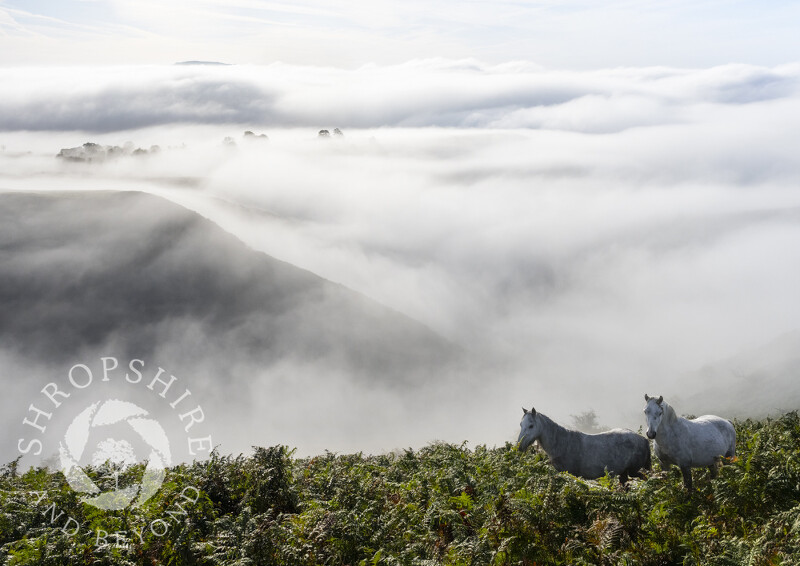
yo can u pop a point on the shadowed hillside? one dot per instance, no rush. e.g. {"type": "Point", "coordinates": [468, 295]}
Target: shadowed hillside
{"type": "Point", "coordinates": [142, 275]}
{"type": "Point", "coordinates": [756, 383]}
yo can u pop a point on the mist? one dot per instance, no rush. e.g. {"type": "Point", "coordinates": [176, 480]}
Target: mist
{"type": "Point", "coordinates": [579, 238]}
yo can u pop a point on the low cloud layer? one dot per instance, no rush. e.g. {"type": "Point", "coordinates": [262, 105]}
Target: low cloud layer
{"type": "Point", "coordinates": [439, 93]}
{"type": "Point", "coordinates": [588, 237]}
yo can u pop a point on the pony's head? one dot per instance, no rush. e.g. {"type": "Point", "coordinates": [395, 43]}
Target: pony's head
{"type": "Point", "coordinates": [653, 412]}
{"type": "Point", "coordinates": [529, 428]}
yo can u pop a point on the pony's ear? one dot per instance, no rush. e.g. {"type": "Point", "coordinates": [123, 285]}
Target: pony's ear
{"type": "Point", "coordinates": [646, 397]}
{"type": "Point", "coordinates": [660, 399]}
{"type": "Point", "coordinates": [524, 410]}
{"type": "Point", "coordinates": [533, 411]}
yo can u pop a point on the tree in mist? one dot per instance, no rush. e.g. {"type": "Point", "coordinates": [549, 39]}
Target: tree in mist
{"type": "Point", "coordinates": [250, 135]}
{"type": "Point", "coordinates": [91, 152]}
{"type": "Point", "coordinates": [587, 422]}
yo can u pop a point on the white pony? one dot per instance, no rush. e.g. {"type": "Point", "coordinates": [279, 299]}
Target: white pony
{"type": "Point", "coordinates": [688, 443]}
{"type": "Point", "coordinates": [619, 451]}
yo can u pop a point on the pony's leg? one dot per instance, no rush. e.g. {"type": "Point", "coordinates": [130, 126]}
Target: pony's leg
{"type": "Point", "coordinates": [687, 477]}
{"type": "Point", "coordinates": [666, 467]}
{"type": "Point", "coordinates": [623, 480]}
{"type": "Point", "coordinates": [714, 468]}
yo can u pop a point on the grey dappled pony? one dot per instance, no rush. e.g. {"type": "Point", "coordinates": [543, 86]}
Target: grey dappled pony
{"type": "Point", "coordinates": [688, 443]}
{"type": "Point", "coordinates": [620, 451]}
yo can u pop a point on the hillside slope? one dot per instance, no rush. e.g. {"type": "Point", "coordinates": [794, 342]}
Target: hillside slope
{"type": "Point", "coordinates": [755, 383]}
{"type": "Point", "coordinates": [136, 275]}
{"type": "Point", "coordinates": [442, 504]}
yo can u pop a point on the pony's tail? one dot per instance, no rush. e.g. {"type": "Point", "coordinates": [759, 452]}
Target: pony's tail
{"type": "Point", "coordinates": [646, 466]}
{"type": "Point", "coordinates": [733, 446]}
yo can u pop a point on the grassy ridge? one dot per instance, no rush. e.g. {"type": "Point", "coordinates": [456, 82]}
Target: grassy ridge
{"type": "Point", "coordinates": [443, 504]}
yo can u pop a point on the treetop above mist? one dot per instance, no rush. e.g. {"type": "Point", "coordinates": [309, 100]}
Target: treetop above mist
{"type": "Point", "coordinates": [92, 152]}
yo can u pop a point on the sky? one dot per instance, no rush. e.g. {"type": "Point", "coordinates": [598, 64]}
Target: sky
{"type": "Point", "coordinates": [596, 200]}
{"type": "Point", "coordinates": [569, 34]}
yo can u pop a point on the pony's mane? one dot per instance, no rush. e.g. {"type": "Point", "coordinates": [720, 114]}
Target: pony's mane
{"type": "Point", "coordinates": [558, 427]}
{"type": "Point", "coordinates": [669, 412]}
{"type": "Point", "coordinates": [551, 421]}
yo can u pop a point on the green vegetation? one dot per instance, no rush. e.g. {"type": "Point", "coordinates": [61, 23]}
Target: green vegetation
{"type": "Point", "coordinates": [443, 504]}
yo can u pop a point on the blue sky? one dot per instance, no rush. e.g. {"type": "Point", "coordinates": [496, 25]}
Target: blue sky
{"type": "Point", "coordinates": [570, 34]}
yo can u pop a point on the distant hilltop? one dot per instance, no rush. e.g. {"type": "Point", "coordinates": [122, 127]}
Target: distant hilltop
{"type": "Point", "coordinates": [202, 63]}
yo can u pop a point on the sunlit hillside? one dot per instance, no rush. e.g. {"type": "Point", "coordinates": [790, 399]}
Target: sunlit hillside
{"type": "Point", "coordinates": [441, 504]}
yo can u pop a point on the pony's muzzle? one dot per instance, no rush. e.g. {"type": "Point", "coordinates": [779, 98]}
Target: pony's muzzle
{"type": "Point", "coordinates": [651, 434]}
